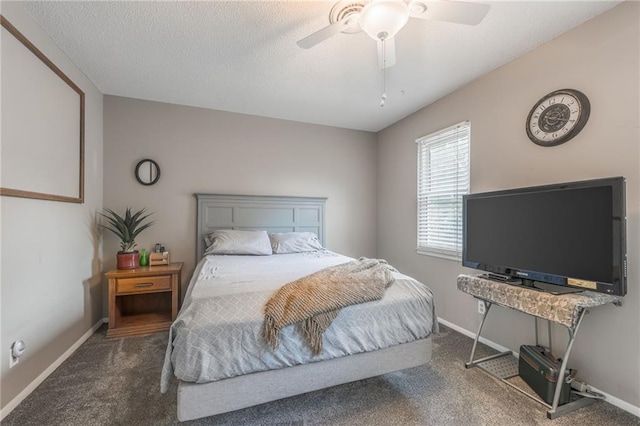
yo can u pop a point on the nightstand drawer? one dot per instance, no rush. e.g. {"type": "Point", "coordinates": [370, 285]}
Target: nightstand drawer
{"type": "Point", "coordinates": [143, 284]}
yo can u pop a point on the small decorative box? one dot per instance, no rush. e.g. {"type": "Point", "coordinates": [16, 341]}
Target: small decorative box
{"type": "Point", "coordinates": [157, 259]}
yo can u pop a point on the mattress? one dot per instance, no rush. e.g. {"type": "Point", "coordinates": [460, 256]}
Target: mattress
{"type": "Point", "coordinates": [217, 333]}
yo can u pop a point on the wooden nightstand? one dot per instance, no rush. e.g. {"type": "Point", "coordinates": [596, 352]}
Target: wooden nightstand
{"type": "Point", "coordinates": [143, 300]}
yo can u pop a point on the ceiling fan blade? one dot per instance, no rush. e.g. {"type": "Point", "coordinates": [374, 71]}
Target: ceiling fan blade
{"type": "Point", "coordinates": [389, 58]}
{"type": "Point", "coordinates": [323, 34]}
{"type": "Point", "coordinates": [459, 12]}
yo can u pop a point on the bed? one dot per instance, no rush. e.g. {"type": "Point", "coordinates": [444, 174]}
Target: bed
{"type": "Point", "coordinates": [216, 349]}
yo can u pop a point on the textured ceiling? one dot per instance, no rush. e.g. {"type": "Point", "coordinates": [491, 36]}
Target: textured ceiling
{"type": "Point", "coordinates": [241, 56]}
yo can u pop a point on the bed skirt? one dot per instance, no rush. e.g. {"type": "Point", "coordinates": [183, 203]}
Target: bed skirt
{"type": "Point", "coordinates": [208, 399]}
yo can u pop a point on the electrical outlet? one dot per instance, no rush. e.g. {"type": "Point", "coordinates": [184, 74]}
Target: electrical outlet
{"type": "Point", "coordinates": [13, 361]}
{"type": "Point", "coordinates": [481, 307]}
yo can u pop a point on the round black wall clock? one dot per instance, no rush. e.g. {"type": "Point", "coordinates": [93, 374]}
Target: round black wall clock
{"type": "Point", "coordinates": [558, 117]}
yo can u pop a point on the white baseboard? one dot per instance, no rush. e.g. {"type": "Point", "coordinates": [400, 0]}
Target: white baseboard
{"type": "Point", "coordinates": [471, 334]}
{"type": "Point", "coordinates": [609, 398]}
{"type": "Point", "coordinates": [618, 402]}
{"type": "Point", "coordinates": [36, 382]}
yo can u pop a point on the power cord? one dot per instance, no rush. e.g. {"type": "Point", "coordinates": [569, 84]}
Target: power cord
{"type": "Point", "coordinates": [583, 389]}
{"type": "Point", "coordinates": [590, 394]}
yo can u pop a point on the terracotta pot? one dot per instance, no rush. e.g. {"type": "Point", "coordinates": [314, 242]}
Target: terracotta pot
{"type": "Point", "coordinates": [128, 260]}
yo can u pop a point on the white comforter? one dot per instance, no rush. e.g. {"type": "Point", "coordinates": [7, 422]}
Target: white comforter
{"type": "Point", "coordinates": [217, 333]}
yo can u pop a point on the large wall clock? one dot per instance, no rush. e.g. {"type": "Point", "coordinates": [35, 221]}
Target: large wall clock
{"type": "Point", "coordinates": [558, 117]}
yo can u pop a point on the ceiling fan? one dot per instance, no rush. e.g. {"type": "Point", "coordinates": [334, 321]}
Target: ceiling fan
{"type": "Point", "coordinates": [382, 19]}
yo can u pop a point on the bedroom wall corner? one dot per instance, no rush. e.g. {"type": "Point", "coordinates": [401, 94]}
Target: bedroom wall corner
{"type": "Point", "coordinates": [602, 59]}
{"type": "Point", "coordinates": [50, 290]}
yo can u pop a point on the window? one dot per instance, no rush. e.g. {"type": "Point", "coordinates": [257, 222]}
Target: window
{"type": "Point", "coordinates": [443, 178]}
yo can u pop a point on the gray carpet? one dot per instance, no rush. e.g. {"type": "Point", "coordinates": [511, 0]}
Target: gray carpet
{"type": "Point", "coordinates": [117, 382]}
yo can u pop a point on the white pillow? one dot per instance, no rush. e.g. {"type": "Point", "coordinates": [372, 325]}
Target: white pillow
{"type": "Point", "coordinates": [294, 242]}
{"type": "Point", "coordinates": [231, 241]}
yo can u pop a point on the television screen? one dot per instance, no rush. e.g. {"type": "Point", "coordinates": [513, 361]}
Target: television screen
{"type": "Point", "coordinates": [569, 234]}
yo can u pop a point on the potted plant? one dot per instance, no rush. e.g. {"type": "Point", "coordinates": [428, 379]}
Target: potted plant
{"type": "Point", "coordinates": [127, 228]}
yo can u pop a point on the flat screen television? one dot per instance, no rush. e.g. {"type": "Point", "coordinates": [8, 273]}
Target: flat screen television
{"type": "Point", "coordinates": [571, 235]}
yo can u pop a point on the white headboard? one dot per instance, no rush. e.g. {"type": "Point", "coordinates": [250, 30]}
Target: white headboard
{"type": "Point", "coordinates": [258, 212]}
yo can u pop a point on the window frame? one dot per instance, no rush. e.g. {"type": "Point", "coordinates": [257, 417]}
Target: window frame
{"type": "Point", "coordinates": [429, 142]}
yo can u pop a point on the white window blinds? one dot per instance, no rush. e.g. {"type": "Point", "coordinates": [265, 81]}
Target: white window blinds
{"type": "Point", "coordinates": [443, 178]}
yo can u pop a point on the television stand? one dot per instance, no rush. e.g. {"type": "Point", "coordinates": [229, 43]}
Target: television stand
{"type": "Point", "coordinates": [567, 310]}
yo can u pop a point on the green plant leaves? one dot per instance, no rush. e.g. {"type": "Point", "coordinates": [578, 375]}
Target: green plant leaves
{"type": "Point", "coordinates": [126, 228]}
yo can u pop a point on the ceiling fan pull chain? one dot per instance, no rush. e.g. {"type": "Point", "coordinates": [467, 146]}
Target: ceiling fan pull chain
{"type": "Point", "coordinates": [384, 75]}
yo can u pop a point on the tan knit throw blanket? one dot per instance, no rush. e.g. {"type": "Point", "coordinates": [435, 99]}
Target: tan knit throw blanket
{"type": "Point", "coordinates": [315, 300]}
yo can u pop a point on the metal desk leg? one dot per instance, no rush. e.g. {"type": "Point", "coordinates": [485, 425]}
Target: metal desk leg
{"type": "Point", "coordinates": [472, 363]}
{"type": "Point", "coordinates": [574, 405]}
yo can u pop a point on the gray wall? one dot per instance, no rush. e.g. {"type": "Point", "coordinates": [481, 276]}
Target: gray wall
{"type": "Point", "coordinates": [51, 281]}
{"type": "Point", "coordinates": [201, 150]}
{"type": "Point", "coordinates": [599, 58]}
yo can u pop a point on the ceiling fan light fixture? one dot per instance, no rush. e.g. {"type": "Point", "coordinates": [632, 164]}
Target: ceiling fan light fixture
{"type": "Point", "coordinates": [382, 19]}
